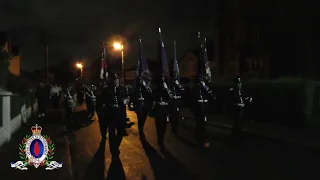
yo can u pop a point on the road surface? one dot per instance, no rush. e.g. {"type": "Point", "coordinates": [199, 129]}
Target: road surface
{"type": "Point", "coordinates": [249, 157]}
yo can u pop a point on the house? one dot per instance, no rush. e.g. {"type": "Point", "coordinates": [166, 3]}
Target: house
{"type": "Point", "coordinates": [16, 97]}
{"type": "Point", "coordinates": [188, 62]}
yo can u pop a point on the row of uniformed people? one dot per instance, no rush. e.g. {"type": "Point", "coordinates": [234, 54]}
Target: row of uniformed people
{"type": "Point", "coordinates": [164, 101]}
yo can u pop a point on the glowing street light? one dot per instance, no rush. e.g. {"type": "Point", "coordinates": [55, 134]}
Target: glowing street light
{"type": "Point", "coordinates": [119, 47]}
{"type": "Point", "coordinates": [80, 66]}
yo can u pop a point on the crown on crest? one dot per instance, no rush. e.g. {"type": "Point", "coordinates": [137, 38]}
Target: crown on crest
{"type": "Point", "coordinates": [36, 129]}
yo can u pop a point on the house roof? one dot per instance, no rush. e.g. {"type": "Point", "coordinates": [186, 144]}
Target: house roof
{"type": "Point", "coordinates": [196, 51]}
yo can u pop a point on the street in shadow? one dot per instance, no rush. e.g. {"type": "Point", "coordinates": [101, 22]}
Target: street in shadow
{"type": "Point", "coordinates": [79, 120]}
{"type": "Point", "coordinates": [96, 168]}
{"type": "Point", "coordinates": [115, 171]}
{"type": "Point", "coordinates": [165, 168]}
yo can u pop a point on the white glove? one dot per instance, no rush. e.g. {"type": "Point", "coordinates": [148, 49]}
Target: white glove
{"type": "Point", "coordinates": [165, 85]}
{"type": "Point", "coordinates": [241, 104]}
{"type": "Point", "coordinates": [126, 101]}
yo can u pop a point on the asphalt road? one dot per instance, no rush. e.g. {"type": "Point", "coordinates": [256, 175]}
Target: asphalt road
{"type": "Point", "coordinates": [248, 157]}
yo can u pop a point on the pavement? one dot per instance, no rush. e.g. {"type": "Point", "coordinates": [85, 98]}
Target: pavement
{"type": "Point", "coordinates": [302, 136]}
{"type": "Point", "coordinates": [52, 126]}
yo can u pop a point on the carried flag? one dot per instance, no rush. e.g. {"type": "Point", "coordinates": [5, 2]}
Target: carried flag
{"type": "Point", "coordinates": [103, 62]}
{"type": "Point", "coordinates": [206, 60]}
{"type": "Point", "coordinates": [175, 66]}
{"type": "Point", "coordinates": [142, 65]}
{"type": "Point", "coordinates": [200, 68]}
{"type": "Point", "coordinates": [163, 56]}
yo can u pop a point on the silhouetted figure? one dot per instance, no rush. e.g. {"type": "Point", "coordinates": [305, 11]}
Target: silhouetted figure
{"type": "Point", "coordinates": [239, 102]}
{"type": "Point", "coordinates": [69, 106]}
{"type": "Point", "coordinates": [41, 95]}
{"type": "Point", "coordinates": [127, 122]}
{"type": "Point", "coordinates": [177, 91]}
{"type": "Point", "coordinates": [142, 100]}
{"type": "Point", "coordinates": [175, 105]}
{"type": "Point", "coordinates": [100, 108]}
{"type": "Point", "coordinates": [162, 95]}
{"type": "Point", "coordinates": [80, 88]}
{"type": "Point", "coordinates": [202, 94]}
{"type": "Point", "coordinates": [114, 98]}
{"type": "Point", "coordinates": [90, 100]}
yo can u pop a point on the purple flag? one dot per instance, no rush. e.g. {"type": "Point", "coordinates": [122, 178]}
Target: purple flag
{"type": "Point", "coordinates": [142, 65]}
{"type": "Point", "coordinates": [207, 69]}
{"type": "Point", "coordinates": [164, 62]}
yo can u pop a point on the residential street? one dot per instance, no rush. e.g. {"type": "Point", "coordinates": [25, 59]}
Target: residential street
{"type": "Point", "coordinates": [248, 157]}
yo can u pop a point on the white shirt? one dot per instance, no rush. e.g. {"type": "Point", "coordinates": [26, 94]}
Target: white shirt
{"type": "Point", "coordinates": [55, 91]}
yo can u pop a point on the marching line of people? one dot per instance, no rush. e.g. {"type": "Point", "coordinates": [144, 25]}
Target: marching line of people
{"type": "Point", "coordinates": [164, 101]}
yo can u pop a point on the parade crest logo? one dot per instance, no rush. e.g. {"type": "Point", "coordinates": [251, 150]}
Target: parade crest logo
{"type": "Point", "coordinates": [36, 150]}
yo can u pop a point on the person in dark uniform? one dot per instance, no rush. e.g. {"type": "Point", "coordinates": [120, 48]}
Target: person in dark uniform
{"type": "Point", "coordinates": [114, 97]}
{"type": "Point", "coordinates": [142, 100]}
{"type": "Point", "coordinates": [177, 91]}
{"type": "Point", "coordinates": [127, 119]}
{"type": "Point", "coordinates": [90, 100]}
{"type": "Point", "coordinates": [69, 106]}
{"type": "Point", "coordinates": [239, 102]}
{"type": "Point", "coordinates": [202, 96]}
{"type": "Point", "coordinates": [80, 92]}
{"type": "Point", "coordinates": [162, 96]}
{"type": "Point", "coordinates": [100, 108]}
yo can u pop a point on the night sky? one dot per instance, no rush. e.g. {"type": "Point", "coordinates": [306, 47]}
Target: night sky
{"type": "Point", "coordinates": [75, 28]}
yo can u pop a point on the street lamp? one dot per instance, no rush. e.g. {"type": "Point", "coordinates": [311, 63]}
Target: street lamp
{"type": "Point", "coordinates": [80, 66]}
{"type": "Point", "coordinates": [119, 47]}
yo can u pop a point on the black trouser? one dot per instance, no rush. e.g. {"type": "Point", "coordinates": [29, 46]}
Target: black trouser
{"type": "Point", "coordinates": [142, 114]}
{"type": "Point", "coordinates": [161, 124]}
{"type": "Point", "coordinates": [175, 118]}
{"type": "Point", "coordinates": [115, 126]}
{"type": "Point", "coordinates": [90, 106]}
{"type": "Point", "coordinates": [201, 132]}
{"type": "Point", "coordinates": [80, 97]}
{"type": "Point", "coordinates": [41, 105]}
{"type": "Point", "coordinates": [237, 119]}
{"type": "Point", "coordinates": [200, 116]}
{"type": "Point", "coordinates": [55, 100]}
{"type": "Point", "coordinates": [70, 121]}
{"type": "Point", "coordinates": [142, 117]}
{"type": "Point", "coordinates": [102, 122]}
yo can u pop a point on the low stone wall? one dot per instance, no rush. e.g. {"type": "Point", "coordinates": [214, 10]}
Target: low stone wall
{"type": "Point", "coordinates": [11, 125]}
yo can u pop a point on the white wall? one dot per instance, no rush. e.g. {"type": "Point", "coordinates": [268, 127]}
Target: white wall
{"type": "Point", "coordinates": [10, 126]}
